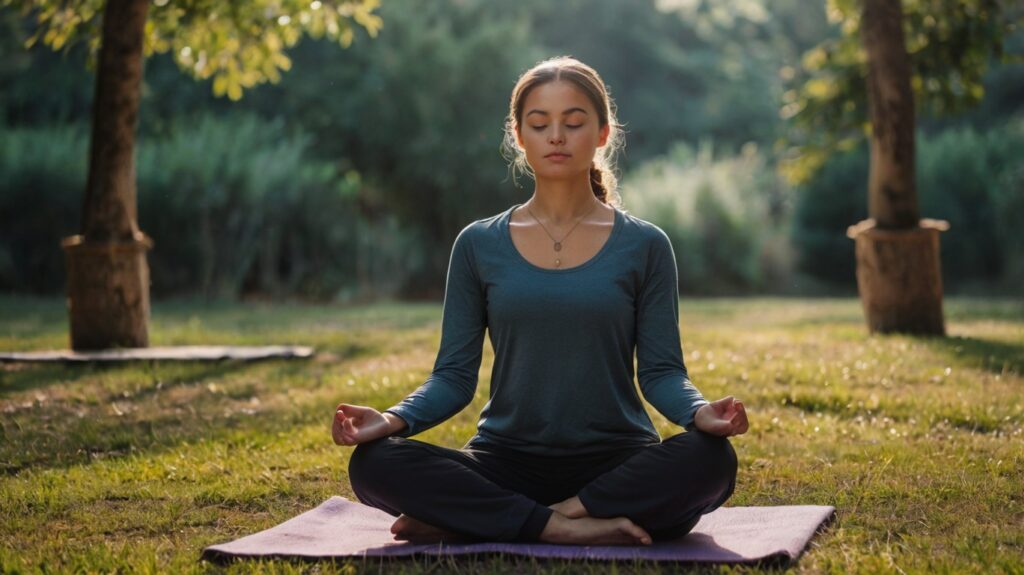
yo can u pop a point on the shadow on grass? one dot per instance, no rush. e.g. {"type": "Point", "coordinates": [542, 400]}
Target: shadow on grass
{"type": "Point", "coordinates": [45, 435]}
{"type": "Point", "coordinates": [16, 377]}
{"type": "Point", "coordinates": [40, 434]}
{"type": "Point", "coordinates": [994, 356]}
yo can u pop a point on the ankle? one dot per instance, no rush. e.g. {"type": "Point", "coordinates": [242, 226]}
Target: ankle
{"type": "Point", "coordinates": [572, 508]}
{"type": "Point", "coordinates": [575, 508]}
{"type": "Point", "coordinates": [557, 529]}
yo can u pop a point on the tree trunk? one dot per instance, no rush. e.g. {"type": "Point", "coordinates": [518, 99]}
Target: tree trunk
{"type": "Point", "coordinates": [892, 193]}
{"type": "Point", "coordinates": [897, 257]}
{"type": "Point", "coordinates": [108, 277]}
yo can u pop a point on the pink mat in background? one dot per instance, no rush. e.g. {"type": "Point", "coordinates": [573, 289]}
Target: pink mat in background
{"type": "Point", "coordinates": [340, 528]}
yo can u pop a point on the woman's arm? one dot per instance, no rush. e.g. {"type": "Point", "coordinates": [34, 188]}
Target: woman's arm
{"type": "Point", "coordinates": [451, 385]}
{"type": "Point", "coordinates": [660, 369]}
{"type": "Point", "coordinates": [661, 372]}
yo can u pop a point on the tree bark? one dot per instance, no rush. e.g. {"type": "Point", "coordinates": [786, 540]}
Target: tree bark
{"type": "Point", "coordinates": [892, 193]}
{"type": "Point", "coordinates": [899, 277]}
{"type": "Point", "coordinates": [898, 267]}
{"type": "Point", "coordinates": [108, 277]}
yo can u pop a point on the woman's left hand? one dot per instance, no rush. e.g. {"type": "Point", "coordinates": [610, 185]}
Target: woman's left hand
{"type": "Point", "coordinates": [724, 417]}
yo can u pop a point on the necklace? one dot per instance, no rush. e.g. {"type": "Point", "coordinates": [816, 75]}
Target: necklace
{"type": "Point", "coordinates": [558, 243]}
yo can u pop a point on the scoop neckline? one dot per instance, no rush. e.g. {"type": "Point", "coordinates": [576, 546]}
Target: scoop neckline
{"type": "Point", "coordinates": [507, 235]}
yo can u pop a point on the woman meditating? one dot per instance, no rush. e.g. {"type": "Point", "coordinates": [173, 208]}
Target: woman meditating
{"type": "Point", "coordinates": [568, 286]}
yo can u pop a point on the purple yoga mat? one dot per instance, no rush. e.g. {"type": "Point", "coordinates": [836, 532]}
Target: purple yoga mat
{"type": "Point", "coordinates": [342, 528]}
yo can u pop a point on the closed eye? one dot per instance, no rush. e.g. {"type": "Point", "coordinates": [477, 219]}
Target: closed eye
{"type": "Point", "coordinates": [572, 126]}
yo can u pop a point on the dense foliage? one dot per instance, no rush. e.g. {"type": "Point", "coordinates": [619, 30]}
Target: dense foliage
{"type": "Point", "coordinates": [951, 45]}
{"type": "Point", "coordinates": [726, 217]}
{"type": "Point", "coordinates": [237, 206]}
{"type": "Point", "coordinates": [974, 180]}
{"type": "Point", "coordinates": [237, 45]}
{"type": "Point", "coordinates": [365, 162]}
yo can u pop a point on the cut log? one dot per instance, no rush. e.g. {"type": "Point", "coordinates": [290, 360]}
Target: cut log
{"type": "Point", "coordinates": [108, 292]}
{"type": "Point", "coordinates": [899, 277]}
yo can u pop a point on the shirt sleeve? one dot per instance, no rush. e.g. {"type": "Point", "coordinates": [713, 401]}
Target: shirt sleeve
{"type": "Point", "coordinates": [451, 385]}
{"type": "Point", "coordinates": [660, 368]}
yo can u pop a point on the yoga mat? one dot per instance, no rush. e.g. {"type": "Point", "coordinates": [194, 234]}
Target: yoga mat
{"type": "Point", "coordinates": [341, 528]}
{"type": "Point", "coordinates": [171, 353]}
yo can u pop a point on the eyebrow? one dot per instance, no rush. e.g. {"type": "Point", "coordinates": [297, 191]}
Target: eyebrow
{"type": "Point", "coordinates": [565, 113]}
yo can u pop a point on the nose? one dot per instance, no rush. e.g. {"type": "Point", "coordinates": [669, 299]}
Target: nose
{"type": "Point", "coordinates": [557, 136]}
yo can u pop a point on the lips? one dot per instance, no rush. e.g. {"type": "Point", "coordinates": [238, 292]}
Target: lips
{"type": "Point", "coordinates": [557, 156]}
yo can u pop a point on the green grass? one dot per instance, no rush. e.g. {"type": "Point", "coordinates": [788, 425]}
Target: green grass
{"type": "Point", "coordinates": [918, 442]}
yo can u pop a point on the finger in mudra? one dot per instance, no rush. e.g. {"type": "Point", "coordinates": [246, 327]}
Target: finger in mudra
{"type": "Point", "coordinates": [724, 417]}
{"type": "Point", "coordinates": [355, 424]}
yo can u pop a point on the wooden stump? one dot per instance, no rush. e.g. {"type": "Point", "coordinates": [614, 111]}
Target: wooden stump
{"type": "Point", "coordinates": [108, 292]}
{"type": "Point", "coordinates": [899, 277]}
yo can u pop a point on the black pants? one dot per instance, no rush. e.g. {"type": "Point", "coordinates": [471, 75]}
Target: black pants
{"type": "Point", "coordinates": [499, 494]}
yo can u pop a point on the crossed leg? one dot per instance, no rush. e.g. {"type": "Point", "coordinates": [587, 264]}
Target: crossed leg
{"type": "Point", "coordinates": [664, 488]}
{"type": "Point", "coordinates": [444, 493]}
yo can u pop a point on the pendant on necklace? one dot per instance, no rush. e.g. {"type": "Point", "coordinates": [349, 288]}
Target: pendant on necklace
{"type": "Point", "coordinates": [558, 246]}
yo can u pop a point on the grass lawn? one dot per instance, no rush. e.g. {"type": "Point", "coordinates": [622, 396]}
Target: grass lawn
{"type": "Point", "coordinates": [918, 442]}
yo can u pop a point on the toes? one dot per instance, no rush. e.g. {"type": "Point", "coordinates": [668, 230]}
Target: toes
{"type": "Point", "coordinates": [637, 532]}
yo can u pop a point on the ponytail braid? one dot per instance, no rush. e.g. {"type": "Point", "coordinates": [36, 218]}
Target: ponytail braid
{"type": "Point", "coordinates": [595, 183]}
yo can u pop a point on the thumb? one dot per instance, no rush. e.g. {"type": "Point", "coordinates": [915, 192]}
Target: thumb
{"type": "Point", "coordinates": [723, 404]}
{"type": "Point", "coordinates": [353, 410]}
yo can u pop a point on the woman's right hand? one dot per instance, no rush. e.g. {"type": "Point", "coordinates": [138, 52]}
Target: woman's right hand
{"type": "Point", "coordinates": [355, 424]}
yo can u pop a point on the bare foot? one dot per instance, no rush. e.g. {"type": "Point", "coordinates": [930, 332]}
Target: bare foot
{"type": "Point", "coordinates": [406, 528]}
{"type": "Point", "coordinates": [572, 508]}
{"type": "Point", "coordinates": [593, 531]}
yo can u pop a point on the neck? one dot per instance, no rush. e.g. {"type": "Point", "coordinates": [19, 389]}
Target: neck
{"type": "Point", "coordinates": [563, 201]}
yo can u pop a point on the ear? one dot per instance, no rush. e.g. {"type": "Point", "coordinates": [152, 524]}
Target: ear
{"type": "Point", "coordinates": [519, 137]}
{"type": "Point", "coordinates": [603, 135]}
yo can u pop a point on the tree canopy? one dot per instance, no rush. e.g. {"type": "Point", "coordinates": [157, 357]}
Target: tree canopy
{"type": "Point", "coordinates": [237, 44]}
{"type": "Point", "coordinates": [951, 44]}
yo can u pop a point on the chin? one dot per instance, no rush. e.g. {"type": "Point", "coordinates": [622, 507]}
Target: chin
{"type": "Point", "coordinates": [562, 172]}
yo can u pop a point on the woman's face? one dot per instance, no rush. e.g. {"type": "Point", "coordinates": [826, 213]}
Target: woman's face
{"type": "Point", "coordinates": [559, 130]}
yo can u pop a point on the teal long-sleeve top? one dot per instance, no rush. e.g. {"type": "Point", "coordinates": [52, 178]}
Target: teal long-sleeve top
{"type": "Point", "coordinates": [563, 339]}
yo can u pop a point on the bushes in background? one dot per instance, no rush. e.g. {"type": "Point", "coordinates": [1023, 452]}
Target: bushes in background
{"type": "Point", "coordinates": [833, 200]}
{"type": "Point", "coordinates": [42, 188]}
{"type": "Point", "coordinates": [974, 180]}
{"type": "Point", "coordinates": [726, 218]}
{"type": "Point", "coordinates": [235, 206]}
{"type": "Point", "coordinates": [734, 231]}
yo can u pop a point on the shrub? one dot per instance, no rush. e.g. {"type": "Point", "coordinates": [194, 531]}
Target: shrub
{"type": "Point", "coordinates": [833, 200]}
{"type": "Point", "coordinates": [725, 217]}
{"type": "Point", "coordinates": [235, 206]}
{"type": "Point", "coordinates": [42, 174]}
{"type": "Point", "coordinates": [973, 180]}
